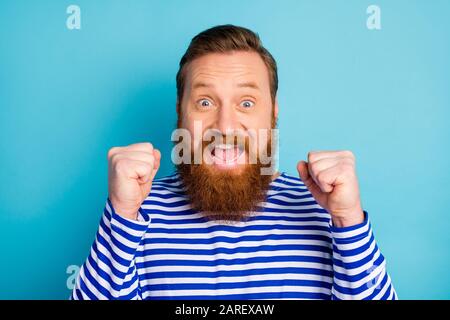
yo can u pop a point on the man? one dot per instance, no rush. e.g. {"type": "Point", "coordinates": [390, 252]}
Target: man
{"type": "Point", "coordinates": [224, 226]}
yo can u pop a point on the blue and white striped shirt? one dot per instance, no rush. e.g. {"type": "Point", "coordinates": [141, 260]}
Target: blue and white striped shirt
{"type": "Point", "coordinates": [288, 249]}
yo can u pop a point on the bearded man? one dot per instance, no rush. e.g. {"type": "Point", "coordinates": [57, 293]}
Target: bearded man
{"type": "Point", "coordinates": [227, 224]}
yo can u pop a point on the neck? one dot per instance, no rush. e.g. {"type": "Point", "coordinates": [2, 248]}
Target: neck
{"type": "Point", "coordinates": [275, 175]}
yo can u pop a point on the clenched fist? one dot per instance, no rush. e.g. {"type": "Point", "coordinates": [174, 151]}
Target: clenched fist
{"type": "Point", "coordinates": [131, 170]}
{"type": "Point", "coordinates": [330, 176]}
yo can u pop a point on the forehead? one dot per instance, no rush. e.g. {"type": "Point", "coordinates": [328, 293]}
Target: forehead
{"type": "Point", "coordinates": [233, 66]}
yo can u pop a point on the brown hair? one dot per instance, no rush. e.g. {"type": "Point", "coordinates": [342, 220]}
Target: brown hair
{"type": "Point", "coordinates": [226, 38]}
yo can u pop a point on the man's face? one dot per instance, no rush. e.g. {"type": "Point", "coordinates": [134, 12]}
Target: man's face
{"type": "Point", "coordinates": [228, 93]}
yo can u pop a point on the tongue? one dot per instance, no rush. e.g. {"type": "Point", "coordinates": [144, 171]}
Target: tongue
{"type": "Point", "coordinates": [226, 154]}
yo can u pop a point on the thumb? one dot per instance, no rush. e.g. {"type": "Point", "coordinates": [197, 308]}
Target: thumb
{"type": "Point", "coordinates": [302, 168]}
{"type": "Point", "coordinates": [157, 155]}
{"type": "Point", "coordinates": [307, 179]}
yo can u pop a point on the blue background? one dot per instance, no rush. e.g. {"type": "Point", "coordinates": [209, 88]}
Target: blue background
{"type": "Point", "coordinates": [67, 96]}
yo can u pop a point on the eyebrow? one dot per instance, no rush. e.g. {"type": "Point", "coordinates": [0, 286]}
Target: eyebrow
{"type": "Point", "coordinates": [251, 85]}
{"type": "Point", "coordinates": [201, 85]}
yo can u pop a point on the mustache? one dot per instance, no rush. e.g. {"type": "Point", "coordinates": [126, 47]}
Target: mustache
{"type": "Point", "coordinates": [197, 146]}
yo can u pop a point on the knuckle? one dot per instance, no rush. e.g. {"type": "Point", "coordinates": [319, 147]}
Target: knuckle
{"type": "Point", "coordinates": [349, 162]}
{"type": "Point", "coordinates": [121, 164]}
{"type": "Point", "coordinates": [115, 157]}
{"type": "Point", "coordinates": [148, 146]}
{"type": "Point", "coordinates": [349, 154]}
{"type": "Point", "coordinates": [347, 168]}
{"type": "Point", "coordinates": [314, 168]}
{"type": "Point", "coordinates": [112, 151]}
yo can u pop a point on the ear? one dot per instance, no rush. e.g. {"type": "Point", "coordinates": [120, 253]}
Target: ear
{"type": "Point", "coordinates": [275, 110]}
{"type": "Point", "coordinates": [178, 106]}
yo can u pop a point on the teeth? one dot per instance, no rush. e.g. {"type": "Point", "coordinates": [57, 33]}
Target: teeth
{"type": "Point", "coordinates": [225, 146]}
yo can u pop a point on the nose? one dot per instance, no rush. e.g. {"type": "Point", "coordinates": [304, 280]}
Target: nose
{"type": "Point", "coordinates": [227, 120]}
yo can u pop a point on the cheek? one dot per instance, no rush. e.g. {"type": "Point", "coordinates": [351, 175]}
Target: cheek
{"type": "Point", "coordinates": [194, 128]}
{"type": "Point", "coordinates": [193, 118]}
{"type": "Point", "coordinates": [189, 121]}
{"type": "Point", "coordinates": [258, 121]}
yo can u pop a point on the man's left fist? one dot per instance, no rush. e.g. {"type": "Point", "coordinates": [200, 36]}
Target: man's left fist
{"type": "Point", "coordinates": [330, 176]}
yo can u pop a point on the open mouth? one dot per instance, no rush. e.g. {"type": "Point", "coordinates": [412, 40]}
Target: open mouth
{"type": "Point", "coordinates": [227, 155]}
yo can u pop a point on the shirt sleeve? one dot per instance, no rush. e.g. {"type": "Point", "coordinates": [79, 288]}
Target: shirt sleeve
{"type": "Point", "coordinates": [358, 265]}
{"type": "Point", "coordinates": [110, 270]}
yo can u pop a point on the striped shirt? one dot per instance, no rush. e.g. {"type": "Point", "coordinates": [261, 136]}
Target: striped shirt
{"type": "Point", "coordinates": [287, 249]}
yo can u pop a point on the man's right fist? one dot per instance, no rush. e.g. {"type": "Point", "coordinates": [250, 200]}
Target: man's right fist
{"type": "Point", "coordinates": [131, 170]}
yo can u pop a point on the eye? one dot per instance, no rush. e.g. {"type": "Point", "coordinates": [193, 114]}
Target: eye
{"type": "Point", "coordinates": [204, 103]}
{"type": "Point", "coordinates": [247, 104]}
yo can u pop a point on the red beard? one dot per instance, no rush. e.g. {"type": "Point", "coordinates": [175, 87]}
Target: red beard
{"type": "Point", "coordinates": [226, 195]}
